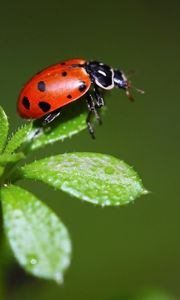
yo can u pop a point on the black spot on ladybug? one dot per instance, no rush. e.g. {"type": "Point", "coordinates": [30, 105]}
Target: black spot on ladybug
{"type": "Point", "coordinates": [41, 86]}
{"type": "Point", "coordinates": [44, 106]}
{"type": "Point", "coordinates": [69, 96]}
{"type": "Point", "coordinates": [82, 86]}
{"type": "Point", "coordinates": [64, 73]}
{"type": "Point", "coordinates": [26, 103]}
{"type": "Point", "coordinates": [63, 63]}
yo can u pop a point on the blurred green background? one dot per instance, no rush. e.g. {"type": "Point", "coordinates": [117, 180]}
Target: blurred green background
{"type": "Point", "coordinates": [117, 251]}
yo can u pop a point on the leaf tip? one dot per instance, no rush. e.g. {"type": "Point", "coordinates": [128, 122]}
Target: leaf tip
{"type": "Point", "coordinates": [59, 279]}
{"type": "Point", "coordinates": [145, 192]}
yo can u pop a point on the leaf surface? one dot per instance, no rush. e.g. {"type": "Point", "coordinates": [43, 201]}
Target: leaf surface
{"type": "Point", "coordinates": [93, 177]}
{"type": "Point", "coordinates": [38, 238]}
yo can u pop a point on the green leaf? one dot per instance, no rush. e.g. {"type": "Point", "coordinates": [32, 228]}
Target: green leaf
{"type": "Point", "coordinates": [60, 130]}
{"type": "Point", "coordinates": [70, 122]}
{"type": "Point", "coordinates": [4, 127]}
{"type": "Point", "coordinates": [38, 238]}
{"type": "Point", "coordinates": [11, 158]}
{"type": "Point", "coordinates": [22, 135]}
{"type": "Point", "coordinates": [93, 177]}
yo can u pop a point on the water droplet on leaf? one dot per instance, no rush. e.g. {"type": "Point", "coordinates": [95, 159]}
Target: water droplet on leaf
{"type": "Point", "coordinates": [32, 260]}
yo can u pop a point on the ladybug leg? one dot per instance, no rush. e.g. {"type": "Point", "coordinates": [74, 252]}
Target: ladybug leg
{"type": "Point", "coordinates": [51, 117]}
{"type": "Point", "coordinates": [92, 111]}
{"type": "Point", "coordinates": [98, 96]}
{"type": "Point", "coordinates": [99, 99]}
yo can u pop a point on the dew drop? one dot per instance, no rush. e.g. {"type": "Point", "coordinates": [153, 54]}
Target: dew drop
{"type": "Point", "coordinates": [33, 261]}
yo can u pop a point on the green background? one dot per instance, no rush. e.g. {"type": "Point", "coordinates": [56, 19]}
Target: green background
{"type": "Point", "coordinates": [116, 251]}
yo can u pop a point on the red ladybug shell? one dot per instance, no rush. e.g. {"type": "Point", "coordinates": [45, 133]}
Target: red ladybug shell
{"type": "Point", "coordinates": [53, 88]}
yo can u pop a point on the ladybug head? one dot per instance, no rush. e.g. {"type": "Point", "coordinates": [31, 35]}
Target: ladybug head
{"type": "Point", "coordinates": [121, 81]}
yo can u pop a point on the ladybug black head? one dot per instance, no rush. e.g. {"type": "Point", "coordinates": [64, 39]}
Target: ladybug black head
{"type": "Point", "coordinates": [107, 78]}
{"type": "Point", "coordinates": [121, 81]}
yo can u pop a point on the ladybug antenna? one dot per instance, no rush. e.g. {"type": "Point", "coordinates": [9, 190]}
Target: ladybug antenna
{"type": "Point", "coordinates": [132, 87]}
{"type": "Point", "coordinates": [128, 94]}
{"type": "Point", "coordinates": [140, 91]}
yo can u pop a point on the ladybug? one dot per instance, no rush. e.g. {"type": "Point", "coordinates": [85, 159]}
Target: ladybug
{"type": "Point", "coordinates": [58, 85]}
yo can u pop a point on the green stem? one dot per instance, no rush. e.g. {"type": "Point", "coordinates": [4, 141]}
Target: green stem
{"type": "Point", "coordinates": [10, 173]}
{"type": "Point", "coordinates": [6, 260]}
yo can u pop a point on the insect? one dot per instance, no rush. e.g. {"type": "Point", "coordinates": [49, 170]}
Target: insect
{"type": "Point", "coordinates": [58, 85]}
